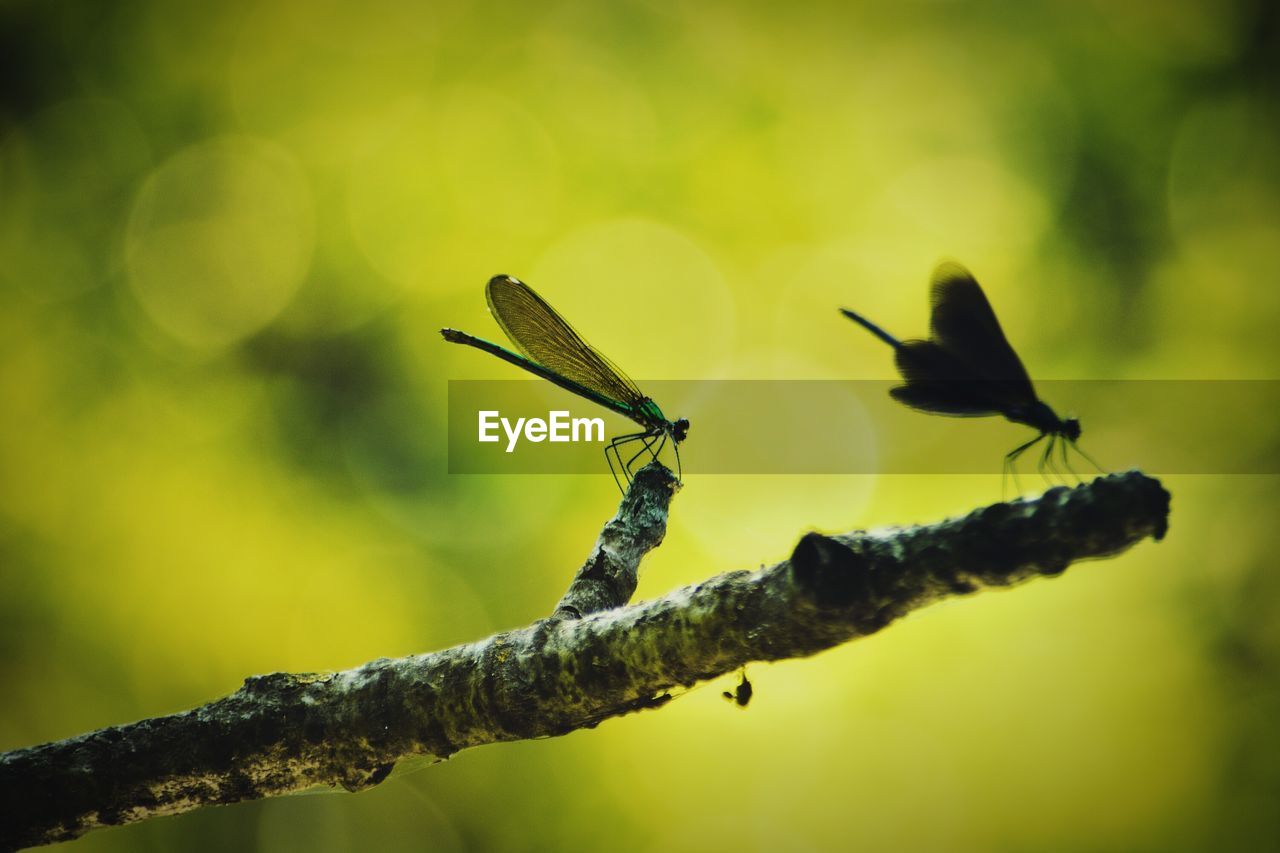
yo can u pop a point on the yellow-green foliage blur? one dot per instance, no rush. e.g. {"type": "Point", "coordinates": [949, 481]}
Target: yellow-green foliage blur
{"type": "Point", "coordinates": [230, 232]}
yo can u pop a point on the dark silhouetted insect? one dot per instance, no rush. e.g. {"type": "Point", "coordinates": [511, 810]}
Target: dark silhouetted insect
{"type": "Point", "coordinates": [550, 348]}
{"type": "Point", "coordinates": [741, 694]}
{"type": "Point", "coordinates": [967, 369]}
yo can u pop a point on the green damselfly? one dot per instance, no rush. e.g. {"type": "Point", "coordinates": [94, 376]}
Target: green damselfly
{"type": "Point", "coordinates": [549, 347]}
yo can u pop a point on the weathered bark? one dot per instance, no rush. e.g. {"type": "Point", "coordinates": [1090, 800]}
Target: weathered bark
{"type": "Point", "coordinates": [592, 659]}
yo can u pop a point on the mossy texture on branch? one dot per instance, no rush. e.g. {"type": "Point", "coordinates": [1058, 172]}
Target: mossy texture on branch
{"type": "Point", "coordinates": [594, 658]}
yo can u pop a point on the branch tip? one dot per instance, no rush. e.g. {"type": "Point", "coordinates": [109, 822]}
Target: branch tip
{"type": "Point", "coordinates": [609, 576]}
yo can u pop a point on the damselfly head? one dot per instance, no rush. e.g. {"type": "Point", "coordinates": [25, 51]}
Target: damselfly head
{"type": "Point", "coordinates": [679, 429]}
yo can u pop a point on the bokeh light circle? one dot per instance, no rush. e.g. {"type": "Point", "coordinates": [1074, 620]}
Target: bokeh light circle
{"type": "Point", "coordinates": [219, 240]}
{"type": "Point", "coordinates": [465, 175]}
{"type": "Point", "coordinates": [649, 296]}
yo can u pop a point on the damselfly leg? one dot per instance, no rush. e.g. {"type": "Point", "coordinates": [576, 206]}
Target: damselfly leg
{"type": "Point", "coordinates": [1048, 464]}
{"type": "Point", "coordinates": [1012, 457]}
{"type": "Point", "coordinates": [1088, 458]}
{"type": "Point", "coordinates": [611, 452]}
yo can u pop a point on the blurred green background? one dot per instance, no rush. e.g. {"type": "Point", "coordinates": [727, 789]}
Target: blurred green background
{"type": "Point", "coordinates": [230, 232]}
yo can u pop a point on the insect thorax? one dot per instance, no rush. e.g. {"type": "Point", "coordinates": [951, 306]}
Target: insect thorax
{"type": "Point", "coordinates": [650, 412]}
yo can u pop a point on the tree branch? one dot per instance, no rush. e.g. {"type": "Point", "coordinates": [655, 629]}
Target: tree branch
{"type": "Point", "coordinates": [286, 732]}
{"type": "Point", "coordinates": [609, 577]}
